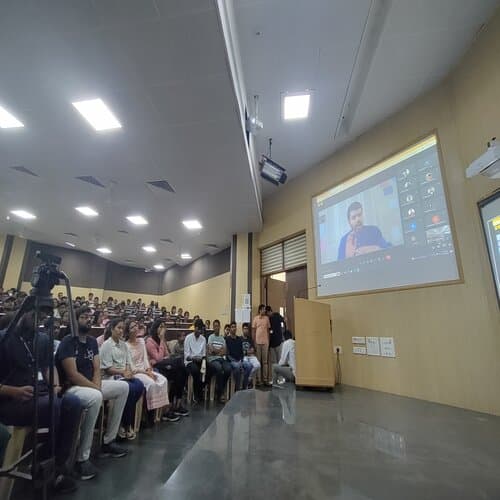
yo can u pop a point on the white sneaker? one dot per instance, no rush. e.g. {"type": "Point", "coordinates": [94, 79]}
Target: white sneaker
{"type": "Point", "coordinates": [122, 433]}
{"type": "Point", "coordinates": [131, 435]}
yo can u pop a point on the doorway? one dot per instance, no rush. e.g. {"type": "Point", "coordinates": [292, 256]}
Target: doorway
{"type": "Point", "coordinates": [279, 290]}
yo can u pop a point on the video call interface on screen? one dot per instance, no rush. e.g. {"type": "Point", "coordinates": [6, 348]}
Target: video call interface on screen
{"type": "Point", "coordinates": [387, 227]}
{"type": "Point", "coordinates": [490, 215]}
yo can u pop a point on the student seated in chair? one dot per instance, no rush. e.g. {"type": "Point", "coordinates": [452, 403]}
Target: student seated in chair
{"type": "Point", "coordinates": [195, 350]}
{"type": "Point", "coordinates": [116, 364]}
{"type": "Point", "coordinates": [249, 351]}
{"type": "Point", "coordinates": [78, 361]}
{"type": "Point", "coordinates": [17, 390]}
{"type": "Point", "coordinates": [286, 366]}
{"type": "Point", "coordinates": [217, 364]}
{"type": "Point", "coordinates": [236, 356]}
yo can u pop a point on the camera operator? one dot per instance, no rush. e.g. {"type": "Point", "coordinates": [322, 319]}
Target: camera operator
{"type": "Point", "coordinates": [17, 404]}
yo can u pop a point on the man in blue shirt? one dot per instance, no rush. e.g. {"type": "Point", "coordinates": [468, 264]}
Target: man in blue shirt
{"type": "Point", "coordinates": [235, 355]}
{"type": "Point", "coordinates": [360, 239]}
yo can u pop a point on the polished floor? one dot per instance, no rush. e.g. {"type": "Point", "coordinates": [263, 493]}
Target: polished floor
{"type": "Point", "coordinates": [284, 444]}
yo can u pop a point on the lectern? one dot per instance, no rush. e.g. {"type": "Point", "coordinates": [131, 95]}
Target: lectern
{"type": "Point", "coordinates": [313, 344]}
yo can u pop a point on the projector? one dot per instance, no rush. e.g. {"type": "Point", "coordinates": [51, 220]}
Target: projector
{"type": "Point", "coordinates": [254, 125]}
{"type": "Point", "coordinates": [487, 164]}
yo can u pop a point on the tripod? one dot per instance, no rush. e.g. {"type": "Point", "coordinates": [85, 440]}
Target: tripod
{"type": "Point", "coordinates": [39, 301]}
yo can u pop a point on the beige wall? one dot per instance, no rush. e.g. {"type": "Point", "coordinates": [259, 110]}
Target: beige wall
{"type": "Point", "coordinates": [447, 337]}
{"type": "Point", "coordinates": [241, 268]}
{"type": "Point", "coordinates": [15, 264]}
{"type": "Point", "coordinates": [210, 298]}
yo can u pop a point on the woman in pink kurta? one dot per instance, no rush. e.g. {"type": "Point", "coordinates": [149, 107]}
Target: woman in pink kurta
{"type": "Point", "coordinates": [156, 384]}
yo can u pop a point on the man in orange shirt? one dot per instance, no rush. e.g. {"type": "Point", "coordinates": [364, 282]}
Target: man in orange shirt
{"type": "Point", "coordinates": [260, 334]}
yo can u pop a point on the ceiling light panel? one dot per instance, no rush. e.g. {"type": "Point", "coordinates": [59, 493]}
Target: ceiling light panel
{"type": "Point", "coordinates": [97, 114]}
{"type": "Point", "coordinates": [137, 220]}
{"type": "Point", "coordinates": [192, 224]}
{"type": "Point", "coordinates": [104, 250]}
{"type": "Point", "coordinates": [296, 106]}
{"type": "Point", "coordinates": [72, 245]}
{"type": "Point", "coordinates": [149, 248]}
{"type": "Point", "coordinates": [185, 256]}
{"type": "Point", "coordinates": [87, 211]}
{"type": "Point", "coordinates": [159, 267]}
{"type": "Point", "coordinates": [8, 120]}
{"type": "Point", "coordinates": [23, 214]}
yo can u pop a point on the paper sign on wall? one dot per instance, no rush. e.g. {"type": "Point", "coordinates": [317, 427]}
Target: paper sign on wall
{"type": "Point", "coordinates": [387, 348]}
{"type": "Point", "coordinates": [372, 346]}
{"type": "Point", "coordinates": [357, 349]}
{"type": "Point", "coordinates": [358, 340]}
{"type": "Point", "coordinates": [246, 301]}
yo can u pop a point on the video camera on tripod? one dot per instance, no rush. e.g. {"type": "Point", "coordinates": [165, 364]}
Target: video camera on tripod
{"type": "Point", "coordinates": [44, 277]}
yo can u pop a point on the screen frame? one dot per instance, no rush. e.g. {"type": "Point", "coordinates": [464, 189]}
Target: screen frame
{"type": "Point", "coordinates": [483, 202]}
{"type": "Point", "coordinates": [458, 281]}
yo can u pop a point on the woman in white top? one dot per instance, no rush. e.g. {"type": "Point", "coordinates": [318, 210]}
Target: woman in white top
{"type": "Point", "coordinates": [155, 383]}
{"type": "Point", "coordinates": [116, 363]}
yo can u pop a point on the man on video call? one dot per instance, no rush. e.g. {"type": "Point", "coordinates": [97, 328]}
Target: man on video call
{"type": "Point", "coordinates": [360, 239]}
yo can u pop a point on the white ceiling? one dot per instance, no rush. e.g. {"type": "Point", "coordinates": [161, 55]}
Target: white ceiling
{"type": "Point", "coordinates": [161, 67]}
{"type": "Point", "coordinates": [293, 45]}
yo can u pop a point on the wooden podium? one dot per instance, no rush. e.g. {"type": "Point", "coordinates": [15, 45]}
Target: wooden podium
{"type": "Point", "coordinates": [313, 344]}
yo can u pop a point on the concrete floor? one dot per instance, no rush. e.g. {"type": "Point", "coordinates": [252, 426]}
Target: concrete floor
{"type": "Point", "coordinates": [282, 444]}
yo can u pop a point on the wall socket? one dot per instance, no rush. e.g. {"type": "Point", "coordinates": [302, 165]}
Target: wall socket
{"type": "Point", "coordinates": [337, 349]}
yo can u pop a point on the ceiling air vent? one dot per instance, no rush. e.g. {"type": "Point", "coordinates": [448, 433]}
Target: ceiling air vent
{"type": "Point", "coordinates": [122, 231]}
{"type": "Point", "coordinates": [129, 261]}
{"type": "Point", "coordinates": [162, 185]}
{"type": "Point", "coordinates": [24, 170]}
{"type": "Point", "coordinates": [71, 234]}
{"type": "Point", "coordinates": [166, 240]}
{"type": "Point", "coordinates": [91, 180]}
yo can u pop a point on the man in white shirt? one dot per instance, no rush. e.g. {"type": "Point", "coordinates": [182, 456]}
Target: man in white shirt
{"type": "Point", "coordinates": [286, 366]}
{"type": "Point", "coordinates": [195, 350]}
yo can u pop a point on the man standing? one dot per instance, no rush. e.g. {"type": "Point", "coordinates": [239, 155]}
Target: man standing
{"type": "Point", "coordinates": [249, 350]}
{"type": "Point", "coordinates": [195, 349]}
{"type": "Point", "coordinates": [216, 350]}
{"type": "Point", "coordinates": [236, 356]}
{"type": "Point", "coordinates": [17, 383]}
{"type": "Point", "coordinates": [360, 239]}
{"type": "Point", "coordinates": [286, 365]}
{"type": "Point", "coordinates": [260, 334]}
{"type": "Point", "coordinates": [275, 334]}
{"type": "Point", "coordinates": [78, 360]}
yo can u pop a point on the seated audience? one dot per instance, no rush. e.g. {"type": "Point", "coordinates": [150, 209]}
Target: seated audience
{"type": "Point", "coordinates": [207, 324]}
{"type": "Point", "coordinates": [195, 347]}
{"type": "Point", "coordinates": [170, 366]}
{"type": "Point", "coordinates": [17, 389]}
{"type": "Point", "coordinates": [186, 315]}
{"type": "Point", "coordinates": [286, 366]}
{"type": "Point", "coordinates": [78, 362]}
{"type": "Point", "coordinates": [155, 383]}
{"type": "Point", "coordinates": [116, 364]}
{"type": "Point", "coordinates": [217, 364]}
{"type": "Point", "coordinates": [173, 311]}
{"type": "Point", "coordinates": [236, 356]}
{"type": "Point", "coordinates": [180, 312]}
{"type": "Point", "coordinates": [227, 328]}
{"type": "Point", "coordinates": [249, 350]}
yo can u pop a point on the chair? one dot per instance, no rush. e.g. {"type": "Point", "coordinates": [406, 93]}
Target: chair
{"type": "Point", "coordinates": [13, 456]}
{"type": "Point", "coordinates": [138, 414]}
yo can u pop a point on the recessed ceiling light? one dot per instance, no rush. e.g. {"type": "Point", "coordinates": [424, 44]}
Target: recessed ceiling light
{"type": "Point", "coordinates": [7, 120]}
{"type": "Point", "coordinates": [185, 256]}
{"type": "Point", "coordinates": [72, 245]}
{"type": "Point", "coordinates": [160, 267]}
{"type": "Point", "coordinates": [149, 248]}
{"type": "Point", "coordinates": [23, 214]}
{"type": "Point", "coordinates": [192, 224]}
{"type": "Point", "coordinates": [97, 114]}
{"type": "Point", "coordinates": [89, 212]}
{"type": "Point", "coordinates": [103, 250]}
{"type": "Point", "coordinates": [296, 106]}
{"type": "Point", "coordinates": [138, 220]}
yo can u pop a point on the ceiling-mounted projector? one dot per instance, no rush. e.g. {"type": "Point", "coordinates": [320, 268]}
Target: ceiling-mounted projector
{"type": "Point", "coordinates": [487, 164]}
{"type": "Point", "coordinates": [271, 171]}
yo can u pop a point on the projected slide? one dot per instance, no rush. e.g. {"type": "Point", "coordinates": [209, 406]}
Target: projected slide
{"type": "Point", "coordinates": [385, 228]}
{"type": "Point", "coordinates": [490, 216]}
